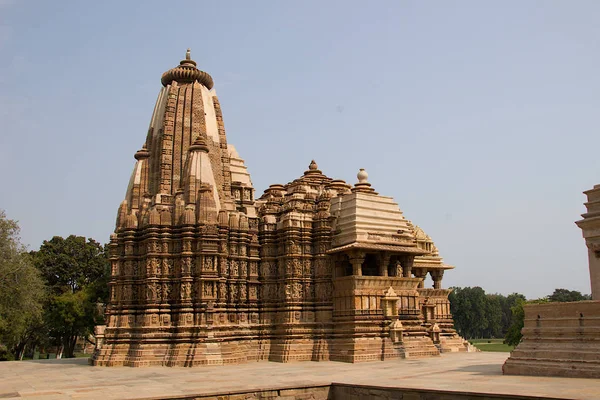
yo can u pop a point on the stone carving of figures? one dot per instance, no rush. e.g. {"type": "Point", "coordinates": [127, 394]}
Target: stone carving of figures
{"type": "Point", "coordinates": [296, 267]}
{"type": "Point", "coordinates": [149, 267]}
{"type": "Point", "coordinates": [294, 249]}
{"type": "Point", "coordinates": [208, 264]}
{"type": "Point", "coordinates": [166, 291]}
{"type": "Point", "coordinates": [242, 250]}
{"type": "Point", "coordinates": [399, 271]}
{"type": "Point", "coordinates": [243, 292]}
{"type": "Point", "coordinates": [288, 291]}
{"type": "Point", "coordinates": [151, 292]}
{"type": "Point", "coordinates": [224, 266]}
{"type": "Point", "coordinates": [187, 246]}
{"type": "Point", "coordinates": [253, 268]}
{"type": "Point", "coordinates": [308, 267]}
{"type": "Point", "coordinates": [156, 266]}
{"type": "Point", "coordinates": [208, 289]}
{"type": "Point", "coordinates": [186, 265]}
{"type": "Point", "coordinates": [253, 292]}
{"type": "Point", "coordinates": [297, 290]}
{"type": "Point", "coordinates": [234, 268]}
{"type": "Point", "coordinates": [185, 291]}
{"type": "Point", "coordinates": [307, 290]}
{"type": "Point", "coordinates": [222, 291]}
{"type": "Point", "coordinates": [159, 293]}
{"type": "Point", "coordinates": [167, 265]}
{"type": "Point", "coordinates": [165, 247]}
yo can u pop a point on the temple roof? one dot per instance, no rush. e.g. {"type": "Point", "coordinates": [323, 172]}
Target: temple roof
{"type": "Point", "coordinates": [364, 219]}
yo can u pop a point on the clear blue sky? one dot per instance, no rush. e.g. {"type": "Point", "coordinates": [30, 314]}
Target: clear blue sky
{"type": "Point", "coordinates": [481, 119]}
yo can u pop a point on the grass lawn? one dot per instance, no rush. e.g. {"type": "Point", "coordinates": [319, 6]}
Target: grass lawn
{"type": "Point", "coordinates": [491, 345]}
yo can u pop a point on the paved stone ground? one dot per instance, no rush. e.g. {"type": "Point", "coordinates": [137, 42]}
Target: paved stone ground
{"type": "Point", "coordinates": [465, 372]}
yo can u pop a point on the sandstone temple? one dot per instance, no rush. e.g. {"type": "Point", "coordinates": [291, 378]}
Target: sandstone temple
{"type": "Point", "coordinates": [205, 273]}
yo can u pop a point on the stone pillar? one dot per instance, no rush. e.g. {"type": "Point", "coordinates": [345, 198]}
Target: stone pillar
{"type": "Point", "coordinates": [590, 225]}
{"type": "Point", "coordinates": [384, 260]}
{"type": "Point", "coordinates": [437, 276]}
{"type": "Point", "coordinates": [407, 264]}
{"type": "Point", "coordinates": [357, 265]}
{"type": "Point", "coordinates": [421, 273]}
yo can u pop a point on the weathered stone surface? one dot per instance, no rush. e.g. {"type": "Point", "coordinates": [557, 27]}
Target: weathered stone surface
{"type": "Point", "coordinates": [205, 274]}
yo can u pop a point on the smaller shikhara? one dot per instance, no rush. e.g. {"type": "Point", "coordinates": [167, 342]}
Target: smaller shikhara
{"type": "Point", "coordinates": [204, 273]}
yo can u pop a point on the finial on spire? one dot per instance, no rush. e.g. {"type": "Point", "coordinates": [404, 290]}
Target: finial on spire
{"type": "Point", "coordinates": [363, 184]}
{"type": "Point", "coordinates": [313, 169]}
{"type": "Point", "coordinates": [362, 176]}
{"type": "Point", "coordinates": [188, 54]}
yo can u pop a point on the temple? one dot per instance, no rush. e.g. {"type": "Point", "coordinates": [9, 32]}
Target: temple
{"type": "Point", "coordinates": [205, 273]}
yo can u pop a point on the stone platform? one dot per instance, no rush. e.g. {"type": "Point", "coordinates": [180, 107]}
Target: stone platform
{"type": "Point", "coordinates": [456, 375]}
{"type": "Point", "coordinates": [559, 339]}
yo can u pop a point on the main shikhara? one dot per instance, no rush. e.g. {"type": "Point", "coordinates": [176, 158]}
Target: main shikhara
{"type": "Point", "coordinates": [204, 273]}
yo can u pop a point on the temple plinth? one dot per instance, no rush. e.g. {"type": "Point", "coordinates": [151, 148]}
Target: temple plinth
{"type": "Point", "coordinates": [204, 273]}
{"type": "Point", "coordinates": [563, 339]}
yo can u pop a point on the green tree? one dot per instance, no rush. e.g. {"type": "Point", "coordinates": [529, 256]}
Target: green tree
{"type": "Point", "coordinates": [564, 295]}
{"type": "Point", "coordinates": [469, 309]}
{"type": "Point", "coordinates": [21, 292]}
{"type": "Point", "coordinates": [493, 309]}
{"type": "Point", "coordinates": [513, 335]}
{"type": "Point", "coordinates": [76, 271]}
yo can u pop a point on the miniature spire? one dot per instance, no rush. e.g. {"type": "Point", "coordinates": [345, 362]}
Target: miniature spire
{"type": "Point", "coordinates": [142, 153]}
{"type": "Point", "coordinates": [313, 165]}
{"type": "Point", "coordinates": [199, 145]}
{"type": "Point", "coordinates": [188, 54]}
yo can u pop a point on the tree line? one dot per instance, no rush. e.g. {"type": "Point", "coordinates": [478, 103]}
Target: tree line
{"type": "Point", "coordinates": [480, 315]}
{"type": "Point", "coordinates": [48, 297]}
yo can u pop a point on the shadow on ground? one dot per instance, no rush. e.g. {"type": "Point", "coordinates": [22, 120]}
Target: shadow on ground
{"type": "Point", "coordinates": [481, 369]}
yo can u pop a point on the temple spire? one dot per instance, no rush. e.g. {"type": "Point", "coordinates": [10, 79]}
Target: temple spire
{"type": "Point", "coordinates": [188, 54]}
